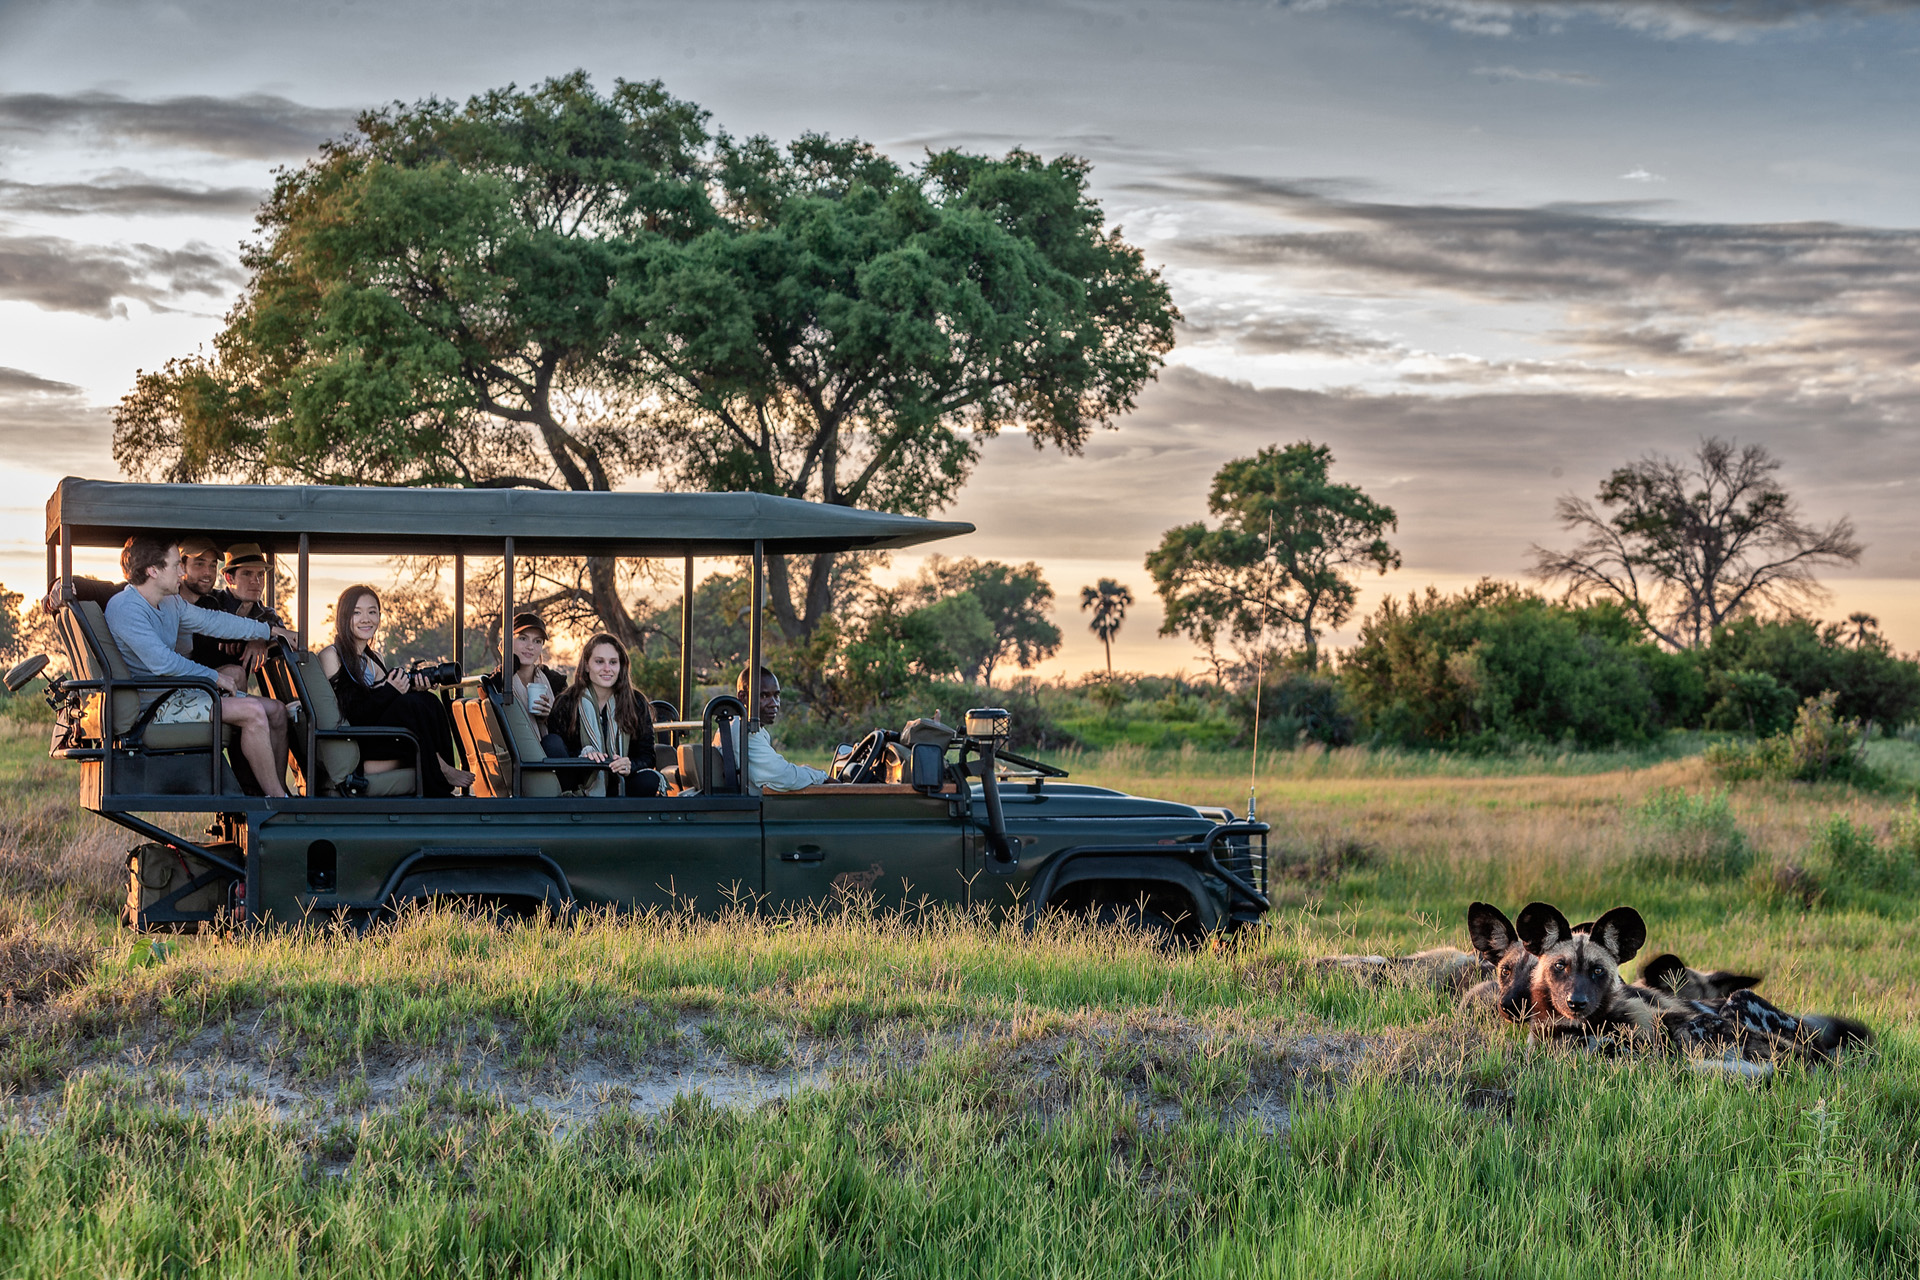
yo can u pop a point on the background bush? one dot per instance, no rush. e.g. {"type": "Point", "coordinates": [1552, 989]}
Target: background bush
{"type": "Point", "coordinates": [1692, 835]}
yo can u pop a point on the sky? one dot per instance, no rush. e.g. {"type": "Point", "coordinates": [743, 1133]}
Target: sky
{"type": "Point", "coordinates": [1485, 251]}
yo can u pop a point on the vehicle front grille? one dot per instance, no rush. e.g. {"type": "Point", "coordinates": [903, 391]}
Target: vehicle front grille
{"type": "Point", "coordinates": [1245, 854]}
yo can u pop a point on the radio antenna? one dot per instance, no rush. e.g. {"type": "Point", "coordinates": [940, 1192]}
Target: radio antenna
{"type": "Point", "coordinates": [1259, 681]}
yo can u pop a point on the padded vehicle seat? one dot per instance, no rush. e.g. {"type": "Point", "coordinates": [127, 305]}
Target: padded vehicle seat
{"type": "Point", "coordinates": [91, 651]}
{"type": "Point", "coordinates": [490, 764]}
{"type": "Point", "coordinates": [523, 740]}
{"type": "Point", "coordinates": [339, 758]}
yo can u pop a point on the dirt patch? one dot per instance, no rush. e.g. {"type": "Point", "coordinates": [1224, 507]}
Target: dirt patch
{"type": "Point", "coordinates": [1161, 1067]}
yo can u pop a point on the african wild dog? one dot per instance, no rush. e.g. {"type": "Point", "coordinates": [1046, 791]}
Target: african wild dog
{"type": "Point", "coordinates": [1497, 943]}
{"type": "Point", "coordinates": [1669, 975]}
{"type": "Point", "coordinates": [1576, 990]}
{"type": "Point", "coordinates": [1745, 1027]}
{"type": "Point", "coordinates": [1576, 987]}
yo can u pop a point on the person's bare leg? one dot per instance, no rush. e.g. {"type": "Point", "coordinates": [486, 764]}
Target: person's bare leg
{"type": "Point", "coordinates": [256, 742]}
{"type": "Point", "coordinates": [277, 736]}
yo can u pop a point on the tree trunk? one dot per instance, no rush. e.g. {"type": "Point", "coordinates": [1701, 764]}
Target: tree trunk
{"type": "Point", "coordinates": [798, 621]}
{"type": "Point", "coordinates": [603, 582]}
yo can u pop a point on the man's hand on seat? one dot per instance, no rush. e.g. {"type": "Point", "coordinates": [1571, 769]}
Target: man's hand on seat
{"type": "Point", "coordinates": [228, 682]}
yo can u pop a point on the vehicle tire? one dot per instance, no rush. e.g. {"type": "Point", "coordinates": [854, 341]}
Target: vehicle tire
{"type": "Point", "coordinates": [1156, 925]}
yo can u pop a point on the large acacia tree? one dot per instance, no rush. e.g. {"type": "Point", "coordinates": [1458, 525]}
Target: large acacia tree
{"type": "Point", "coordinates": [560, 289]}
{"type": "Point", "coordinates": [1688, 545]}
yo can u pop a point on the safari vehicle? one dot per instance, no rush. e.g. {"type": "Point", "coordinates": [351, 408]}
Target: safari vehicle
{"type": "Point", "coordinates": [923, 813]}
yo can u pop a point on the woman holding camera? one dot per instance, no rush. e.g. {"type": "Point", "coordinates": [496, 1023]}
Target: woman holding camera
{"type": "Point", "coordinates": [371, 693]}
{"type": "Point", "coordinates": [602, 718]}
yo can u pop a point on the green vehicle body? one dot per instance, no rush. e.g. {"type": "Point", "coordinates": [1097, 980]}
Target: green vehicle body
{"type": "Point", "coordinates": [962, 821]}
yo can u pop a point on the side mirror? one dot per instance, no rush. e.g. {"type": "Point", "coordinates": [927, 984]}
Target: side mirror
{"type": "Point", "coordinates": [16, 678]}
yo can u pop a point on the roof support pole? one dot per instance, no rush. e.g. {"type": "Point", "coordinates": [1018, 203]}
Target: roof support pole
{"type": "Point", "coordinates": [300, 593]}
{"type": "Point", "coordinates": [506, 623]}
{"type": "Point", "coordinates": [759, 605]}
{"type": "Point", "coordinates": [686, 643]}
{"type": "Point", "coordinates": [273, 574]}
{"type": "Point", "coordinates": [53, 567]}
{"type": "Point", "coordinates": [460, 612]}
{"type": "Point", "coordinates": [66, 561]}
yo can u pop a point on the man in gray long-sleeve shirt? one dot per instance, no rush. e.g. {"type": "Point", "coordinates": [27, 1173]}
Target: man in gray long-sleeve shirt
{"type": "Point", "coordinates": [148, 618]}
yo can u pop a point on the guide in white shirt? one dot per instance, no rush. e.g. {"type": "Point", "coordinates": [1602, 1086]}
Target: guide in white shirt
{"type": "Point", "coordinates": [767, 769]}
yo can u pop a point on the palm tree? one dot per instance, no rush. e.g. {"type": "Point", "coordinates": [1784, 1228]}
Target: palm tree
{"type": "Point", "coordinates": [1109, 602]}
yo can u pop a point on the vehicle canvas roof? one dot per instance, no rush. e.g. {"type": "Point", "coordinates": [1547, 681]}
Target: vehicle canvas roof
{"type": "Point", "coordinates": [397, 521]}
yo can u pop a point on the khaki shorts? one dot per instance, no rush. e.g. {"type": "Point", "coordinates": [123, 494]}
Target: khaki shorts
{"type": "Point", "coordinates": [185, 706]}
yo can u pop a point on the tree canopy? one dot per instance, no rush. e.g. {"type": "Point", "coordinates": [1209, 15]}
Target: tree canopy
{"type": "Point", "coordinates": [558, 288]}
{"type": "Point", "coordinates": [1012, 598]}
{"type": "Point", "coordinates": [1687, 546]}
{"type": "Point", "coordinates": [1287, 540]}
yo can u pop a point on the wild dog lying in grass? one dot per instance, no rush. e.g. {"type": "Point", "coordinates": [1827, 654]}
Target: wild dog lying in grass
{"type": "Point", "coordinates": [1509, 988]}
{"type": "Point", "coordinates": [1576, 990]}
{"type": "Point", "coordinates": [1496, 973]}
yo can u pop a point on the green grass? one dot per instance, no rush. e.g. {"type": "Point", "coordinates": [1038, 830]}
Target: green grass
{"type": "Point", "coordinates": [1058, 1102]}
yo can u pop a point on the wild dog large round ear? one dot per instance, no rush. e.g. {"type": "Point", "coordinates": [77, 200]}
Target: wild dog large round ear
{"type": "Point", "coordinates": [1622, 932]}
{"type": "Point", "coordinates": [1542, 926]}
{"type": "Point", "coordinates": [1665, 972]}
{"type": "Point", "coordinates": [1490, 930]}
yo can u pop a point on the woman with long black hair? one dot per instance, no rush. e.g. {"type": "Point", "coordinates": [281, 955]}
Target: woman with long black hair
{"type": "Point", "coordinates": [370, 692]}
{"type": "Point", "coordinates": [601, 717]}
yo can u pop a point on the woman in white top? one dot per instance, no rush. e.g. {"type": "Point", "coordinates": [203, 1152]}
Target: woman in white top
{"type": "Point", "coordinates": [535, 684]}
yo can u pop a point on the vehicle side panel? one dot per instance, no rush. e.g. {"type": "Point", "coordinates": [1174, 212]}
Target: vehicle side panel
{"type": "Point", "coordinates": [625, 859]}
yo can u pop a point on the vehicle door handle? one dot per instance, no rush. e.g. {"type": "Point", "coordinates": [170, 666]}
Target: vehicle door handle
{"type": "Point", "coordinates": [805, 853]}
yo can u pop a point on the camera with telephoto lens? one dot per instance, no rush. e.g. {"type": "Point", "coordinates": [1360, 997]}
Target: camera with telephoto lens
{"type": "Point", "coordinates": [435, 673]}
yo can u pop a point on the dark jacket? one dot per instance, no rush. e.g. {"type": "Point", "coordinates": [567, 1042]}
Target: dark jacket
{"type": "Point", "coordinates": [565, 721]}
{"type": "Point", "coordinates": [209, 652]}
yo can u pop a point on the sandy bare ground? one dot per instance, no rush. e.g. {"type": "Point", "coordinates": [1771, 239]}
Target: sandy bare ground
{"type": "Point", "coordinates": [1165, 1067]}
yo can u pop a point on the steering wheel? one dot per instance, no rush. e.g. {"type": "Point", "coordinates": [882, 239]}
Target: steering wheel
{"type": "Point", "coordinates": [863, 763]}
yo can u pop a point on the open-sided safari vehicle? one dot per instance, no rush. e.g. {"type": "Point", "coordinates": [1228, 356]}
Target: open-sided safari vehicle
{"type": "Point", "coordinates": [923, 813]}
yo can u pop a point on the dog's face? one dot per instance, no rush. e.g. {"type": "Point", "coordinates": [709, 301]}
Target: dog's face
{"type": "Point", "coordinates": [1577, 975]}
{"type": "Point", "coordinates": [1497, 943]}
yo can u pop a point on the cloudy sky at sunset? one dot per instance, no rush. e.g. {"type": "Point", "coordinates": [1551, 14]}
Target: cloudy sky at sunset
{"type": "Point", "coordinates": [1484, 250]}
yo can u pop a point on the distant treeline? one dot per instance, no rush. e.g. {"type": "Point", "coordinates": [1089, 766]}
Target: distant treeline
{"type": "Point", "coordinates": [1499, 665]}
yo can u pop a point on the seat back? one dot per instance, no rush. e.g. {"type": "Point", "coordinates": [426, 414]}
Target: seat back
{"type": "Point", "coordinates": [524, 741]}
{"type": "Point", "coordinates": [492, 770]}
{"type": "Point", "coordinates": [689, 768]}
{"type": "Point", "coordinates": [663, 710]}
{"type": "Point", "coordinates": [339, 759]}
{"type": "Point", "coordinates": [93, 655]}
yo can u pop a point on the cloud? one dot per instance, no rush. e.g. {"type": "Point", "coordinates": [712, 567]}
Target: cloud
{"type": "Point", "coordinates": [1640, 173]}
{"type": "Point", "coordinates": [252, 126]}
{"type": "Point", "coordinates": [127, 196]}
{"type": "Point", "coordinates": [1540, 76]}
{"type": "Point", "coordinates": [1280, 335]}
{"type": "Point", "coordinates": [1798, 308]}
{"type": "Point", "coordinates": [56, 274]}
{"type": "Point", "coordinates": [50, 423]}
{"type": "Point", "coordinates": [1471, 476]}
{"type": "Point", "coordinates": [1714, 19]}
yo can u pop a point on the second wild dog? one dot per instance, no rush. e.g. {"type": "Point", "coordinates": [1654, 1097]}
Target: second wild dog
{"type": "Point", "coordinates": [1576, 986]}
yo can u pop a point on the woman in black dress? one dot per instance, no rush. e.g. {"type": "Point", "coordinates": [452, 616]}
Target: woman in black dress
{"type": "Point", "coordinates": [370, 692]}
